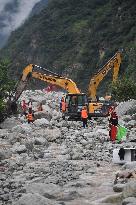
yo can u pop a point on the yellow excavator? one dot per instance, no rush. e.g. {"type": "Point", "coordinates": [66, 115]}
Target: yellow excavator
{"type": "Point", "coordinates": [97, 108]}
{"type": "Point", "coordinates": [32, 71]}
{"type": "Point", "coordinates": [74, 99]}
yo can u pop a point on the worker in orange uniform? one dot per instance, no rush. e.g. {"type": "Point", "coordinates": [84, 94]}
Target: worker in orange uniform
{"type": "Point", "coordinates": [84, 116]}
{"type": "Point", "coordinates": [30, 117]}
{"type": "Point", "coordinates": [63, 107]}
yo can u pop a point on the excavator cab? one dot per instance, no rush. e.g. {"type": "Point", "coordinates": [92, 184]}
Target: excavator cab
{"type": "Point", "coordinates": [74, 104]}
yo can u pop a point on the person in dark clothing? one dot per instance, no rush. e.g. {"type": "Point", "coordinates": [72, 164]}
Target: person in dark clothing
{"type": "Point", "coordinates": [14, 107]}
{"type": "Point", "coordinates": [121, 153]}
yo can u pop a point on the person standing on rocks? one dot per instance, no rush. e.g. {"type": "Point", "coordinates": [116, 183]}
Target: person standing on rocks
{"type": "Point", "coordinates": [113, 123]}
{"type": "Point", "coordinates": [84, 116]}
{"type": "Point", "coordinates": [24, 106]}
{"type": "Point", "coordinates": [63, 107]}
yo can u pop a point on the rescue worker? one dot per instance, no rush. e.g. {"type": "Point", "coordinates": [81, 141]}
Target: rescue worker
{"type": "Point", "coordinates": [113, 122]}
{"type": "Point", "coordinates": [30, 117]}
{"type": "Point", "coordinates": [63, 105]}
{"type": "Point", "coordinates": [84, 116]}
{"type": "Point", "coordinates": [24, 107]}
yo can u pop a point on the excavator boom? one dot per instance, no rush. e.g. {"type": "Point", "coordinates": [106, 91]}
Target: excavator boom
{"type": "Point", "coordinates": [113, 63]}
{"type": "Point", "coordinates": [54, 79]}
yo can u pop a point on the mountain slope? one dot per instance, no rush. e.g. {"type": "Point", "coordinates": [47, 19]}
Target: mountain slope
{"type": "Point", "coordinates": [76, 38]}
{"type": "Point", "coordinates": [13, 13]}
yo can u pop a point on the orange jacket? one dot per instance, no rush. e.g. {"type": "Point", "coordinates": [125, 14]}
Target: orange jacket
{"type": "Point", "coordinates": [63, 106]}
{"type": "Point", "coordinates": [30, 117]}
{"type": "Point", "coordinates": [84, 113]}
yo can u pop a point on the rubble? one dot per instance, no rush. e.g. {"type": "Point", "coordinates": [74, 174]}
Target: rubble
{"type": "Point", "coordinates": [55, 161]}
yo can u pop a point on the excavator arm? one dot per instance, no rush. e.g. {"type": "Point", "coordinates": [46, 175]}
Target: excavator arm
{"type": "Point", "coordinates": [54, 79]}
{"type": "Point", "coordinates": [113, 63]}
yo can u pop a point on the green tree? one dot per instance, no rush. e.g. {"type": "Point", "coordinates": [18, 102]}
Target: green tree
{"type": "Point", "coordinates": [6, 84]}
{"type": "Point", "coordinates": [124, 89]}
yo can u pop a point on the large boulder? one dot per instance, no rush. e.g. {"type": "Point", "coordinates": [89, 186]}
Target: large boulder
{"type": "Point", "coordinates": [9, 123]}
{"type": "Point", "coordinates": [118, 187]}
{"type": "Point", "coordinates": [34, 199]}
{"type": "Point", "coordinates": [50, 191]}
{"type": "Point", "coordinates": [40, 141]}
{"type": "Point", "coordinates": [130, 189]}
{"type": "Point", "coordinates": [130, 165]}
{"type": "Point", "coordinates": [43, 114]}
{"type": "Point", "coordinates": [23, 128]}
{"type": "Point", "coordinates": [17, 148]}
{"type": "Point", "coordinates": [52, 134]}
{"type": "Point", "coordinates": [41, 122]}
{"type": "Point", "coordinates": [5, 154]}
{"type": "Point", "coordinates": [129, 200]}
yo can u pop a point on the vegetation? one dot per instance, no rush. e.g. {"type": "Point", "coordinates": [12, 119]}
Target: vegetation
{"type": "Point", "coordinates": [6, 85]}
{"type": "Point", "coordinates": [124, 90]}
{"type": "Point", "coordinates": [75, 38]}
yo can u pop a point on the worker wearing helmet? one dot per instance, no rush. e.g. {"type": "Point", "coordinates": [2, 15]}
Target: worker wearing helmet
{"type": "Point", "coordinates": [84, 116]}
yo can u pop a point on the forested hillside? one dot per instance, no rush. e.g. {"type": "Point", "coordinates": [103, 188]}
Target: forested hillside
{"type": "Point", "coordinates": [76, 37]}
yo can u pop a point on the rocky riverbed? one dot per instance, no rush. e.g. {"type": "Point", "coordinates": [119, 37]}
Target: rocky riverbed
{"type": "Point", "coordinates": [57, 162]}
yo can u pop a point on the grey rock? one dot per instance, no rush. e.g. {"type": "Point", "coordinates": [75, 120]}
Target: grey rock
{"type": "Point", "coordinates": [21, 149]}
{"type": "Point", "coordinates": [5, 154]}
{"type": "Point", "coordinates": [115, 198]}
{"type": "Point", "coordinates": [9, 123]}
{"type": "Point", "coordinates": [33, 199]}
{"type": "Point", "coordinates": [43, 114]}
{"type": "Point", "coordinates": [118, 187]}
{"type": "Point", "coordinates": [84, 142]}
{"type": "Point", "coordinates": [130, 165]}
{"type": "Point", "coordinates": [41, 122]}
{"type": "Point", "coordinates": [129, 200]}
{"type": "Point", "coordinates": [23, 128]}
{"type": "Point", "coordinates": [41, 141]}
{"type": "Point", "coordinates": [130, 189]}
{"type": "Point", "coordinates": [50, 191]}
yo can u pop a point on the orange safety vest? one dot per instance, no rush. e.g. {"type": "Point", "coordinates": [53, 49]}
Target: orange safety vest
{"type": "Point", "coordinates": [30, 117]}
{"type": "Point", "coordinates": [84, 114]}
{"type": "Point", "coordinates": [63, 106]}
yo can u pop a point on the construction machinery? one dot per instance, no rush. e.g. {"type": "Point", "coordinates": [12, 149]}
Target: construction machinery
{"type": "Point", "coordinates": [74, 99]}
{"type": "Point", "coordinates": [113, 63]}
{"type": "Point", "coordinates": [96, 107]}
{"type": "Point", "coordinates": [31, 72]}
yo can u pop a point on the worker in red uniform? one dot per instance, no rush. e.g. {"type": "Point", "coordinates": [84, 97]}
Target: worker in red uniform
{"type": "Point", "coordinates": [63, 105]}
{"type": "Point", "coordinates": [84, 116]}
{"type": "Point", "coordinates": [24, 106]}
{"type": "Point", "coordinates": [113, 123]}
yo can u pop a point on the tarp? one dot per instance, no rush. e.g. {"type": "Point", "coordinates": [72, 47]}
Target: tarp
{"type": "Point", "coordinates": [121, 133]}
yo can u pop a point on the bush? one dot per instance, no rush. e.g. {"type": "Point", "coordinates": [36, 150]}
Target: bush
{"type": "Point", "coordinates": [124, 89]}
